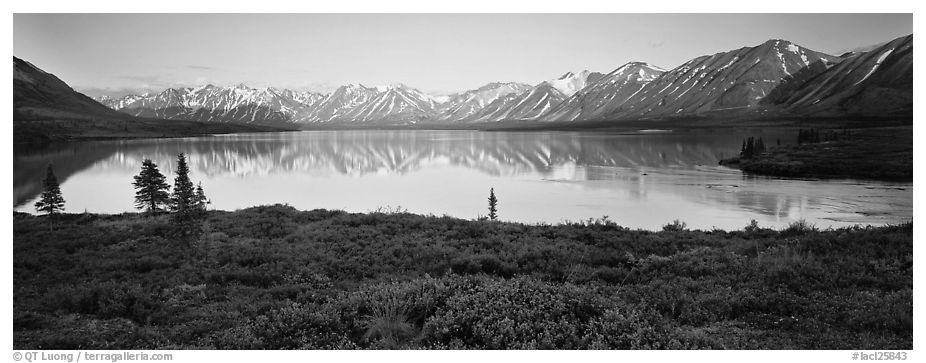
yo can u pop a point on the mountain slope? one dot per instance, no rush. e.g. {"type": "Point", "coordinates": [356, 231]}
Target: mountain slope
{"type": "Point", "coordinates": [604, 95]}
{"type": "Point", "coordinates": [875, 83]}
{"type": "Point", "coordinates": [570, 83]}
{"type": "Point", "coordinates": [531, 105]}
{"type": "Point", "coordinates": [393, 104]}
{"type": "Point", "coordinates": [776, 78]}
{"type": "Point", "coordinates": [537, 101]}
{"type": "Point", "coordinates": [40, 95]}
{"type": "Point", "coordinates": [498, 109]}
{"type": "Point", "coordinates": [46, 109]}
{"type": "Point", "coordinates": [462, 106]}
{"type": "Point", "coordinates": [338, 103]}
{"type": "Point", "coordinates": [527, 105]}
{"type": "Point", "coordinates": [737, 79]}
{"type": "Point", "coordinates": [219, 104]}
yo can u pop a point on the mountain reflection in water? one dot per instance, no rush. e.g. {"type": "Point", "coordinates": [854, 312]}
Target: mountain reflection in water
{"type": "Point", "coordinates": [638, 180]}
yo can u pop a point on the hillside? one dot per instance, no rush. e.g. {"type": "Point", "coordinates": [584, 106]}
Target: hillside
{"type": "Point", "coordinates": [875, 83]}
{"type": "Point", "coordinates": [47, 109]}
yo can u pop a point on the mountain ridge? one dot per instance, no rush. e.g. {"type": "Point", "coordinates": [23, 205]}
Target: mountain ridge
{"type": "Point", "coordinates": [751, 80]}
{"type": "Point", "coordinates": [47, 109]}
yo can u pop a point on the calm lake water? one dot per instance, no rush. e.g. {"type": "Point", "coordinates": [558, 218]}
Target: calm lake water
{"type": "Point", "coordinates": [641, 180]}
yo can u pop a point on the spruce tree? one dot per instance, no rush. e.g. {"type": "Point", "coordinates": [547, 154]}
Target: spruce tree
{"type": "Point", "coordinates": [183, 196]}
{"type": "Point", "coordinates": [151, 188]}
{"type": "Point", "coordinates": [51, 202]}
{"type": "Point", "coordinates": [749, 149]}
{"type": "Point", "coordinates": [493, 205]}
{"type": "Point", "coordinates": [200, 200]}
{"type": "Point", "coordinates": [186, 217]}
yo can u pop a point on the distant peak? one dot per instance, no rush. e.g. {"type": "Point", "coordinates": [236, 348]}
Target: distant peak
{"type": "Point", "coordinates": [633, 66]}
{"type": "Point", "coordinates": [566, 75]}
{"type": "Point", "coordinates": [391, 86]}
{"type": "Point", "coordinates": [207, 87]}
{"type": "Point", "coordinates": [779, 43]}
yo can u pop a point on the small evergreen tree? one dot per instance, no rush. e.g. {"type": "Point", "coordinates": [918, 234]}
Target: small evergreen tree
{"type": "Point", "coordinates": [186, 217]}
{"type": "Point", "coordinates": [749, 148]}
{"type": "Point", "coordinates": [151, 188]}
{"type": "Point", "coordinates": [493, 205]}
{"type": "Point", "coordinates": [184, 195]}
{"type": "Point", "coordinates": [51, 202]}
{"type": "Point", "coordinates": [200, 200]}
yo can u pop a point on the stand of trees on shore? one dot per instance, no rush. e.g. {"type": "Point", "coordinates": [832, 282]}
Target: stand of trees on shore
{"type": "Point", "coordinates": [878, 153]}
{"type": "Point", "coordinates": [186, 203]}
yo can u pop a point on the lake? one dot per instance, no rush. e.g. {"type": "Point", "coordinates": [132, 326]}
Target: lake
{"type": "Point", "coordinates": [642, 179]}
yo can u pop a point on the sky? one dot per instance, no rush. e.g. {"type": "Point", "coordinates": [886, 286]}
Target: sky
{"type": "Point", "coordinates": [117, 54]}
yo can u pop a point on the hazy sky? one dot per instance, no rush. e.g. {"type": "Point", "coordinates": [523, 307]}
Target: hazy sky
{"type": "Point", "coordinates": [437, 53]}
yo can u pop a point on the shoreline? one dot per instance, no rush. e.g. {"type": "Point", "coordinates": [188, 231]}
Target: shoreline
{"type": "Point", "coordinates": [879, 154]}
{"type": "Point", "coordinates": [28, 128]}
{"type": "Point", "coordinates": [529, 224]}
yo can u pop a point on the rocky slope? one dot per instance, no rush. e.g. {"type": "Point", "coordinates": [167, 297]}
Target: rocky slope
{"type": "Point", "coordinates": [605, 94]}
{"type": "Point", "coordinates": [463, 106]}
{"type": "Point", "coordinates": [875, 83]}
{"type": "Point", "coordinates": [737, 79]}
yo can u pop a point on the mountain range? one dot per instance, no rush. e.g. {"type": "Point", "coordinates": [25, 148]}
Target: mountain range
{"type": "Point", "coordinates": [45, 109]}
{"type": "Point", "coordinates": [773, 79]}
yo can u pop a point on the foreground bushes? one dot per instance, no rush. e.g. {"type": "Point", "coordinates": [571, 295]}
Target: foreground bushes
{"type": "Point", "coordinates": [275, 278]}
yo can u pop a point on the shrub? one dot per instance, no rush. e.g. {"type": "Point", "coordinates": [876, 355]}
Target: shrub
{"type": "Point", "coordinates": [675, 226]}
{"type": "Point", "coordinates": [798, 228]}
{"type": "Point", "coordinates": [298, 326]}
{"type": "Point", "coordinates": [388, 324]}
{"type": "Point", "coordinates": [519, 313]}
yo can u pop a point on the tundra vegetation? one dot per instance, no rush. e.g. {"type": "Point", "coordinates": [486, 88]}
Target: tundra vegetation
{"type": "Point", "coordinates": [273, 277]}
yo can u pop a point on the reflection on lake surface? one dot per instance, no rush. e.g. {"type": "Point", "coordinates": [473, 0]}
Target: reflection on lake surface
{"type": "Point", "coordinates": [638, 180]}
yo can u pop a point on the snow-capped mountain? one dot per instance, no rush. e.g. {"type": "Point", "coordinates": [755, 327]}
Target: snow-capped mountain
{"type": "Point", "coordinates": [604, 95]}
{"type": "Point", "coordinates": [774, 77]}
{"type": "Point", "coordinates": [537, 101]}
{"type": "Point", "coordinates": [218, 104]}
{"type": "Point", "coordinates": [393, 104]}
{"type": "Point", "coordinates": [877, 82]}
{"type": "Point", "coordinates": [534, 103]}
{"type": "Point", "coordinates": [732, 80]}
{"type": "Point", "coordinates": [462, 106]}
{"type": "Point", "coordinates": [570, 83]}
{"type": "Point", "coordinates": [338, 103]}
{"type": "Point", "coordinates": [497, 110]}
{"type": "Point", "coordinates": [350, 103]}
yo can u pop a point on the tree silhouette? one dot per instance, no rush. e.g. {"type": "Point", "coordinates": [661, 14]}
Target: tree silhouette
{"type": "Point", "coordinates": [200, 201]}
{"type": "Point", "coordinates": [186, 216]}
{"type": "Point", "coordinates": [183, 196]}
{"type": "Point", "coordinates": [51, 202]}
{"type": "Point", "coordinates": [493, 205]}
{"type": "Point", "coordinates": [151, 188]}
